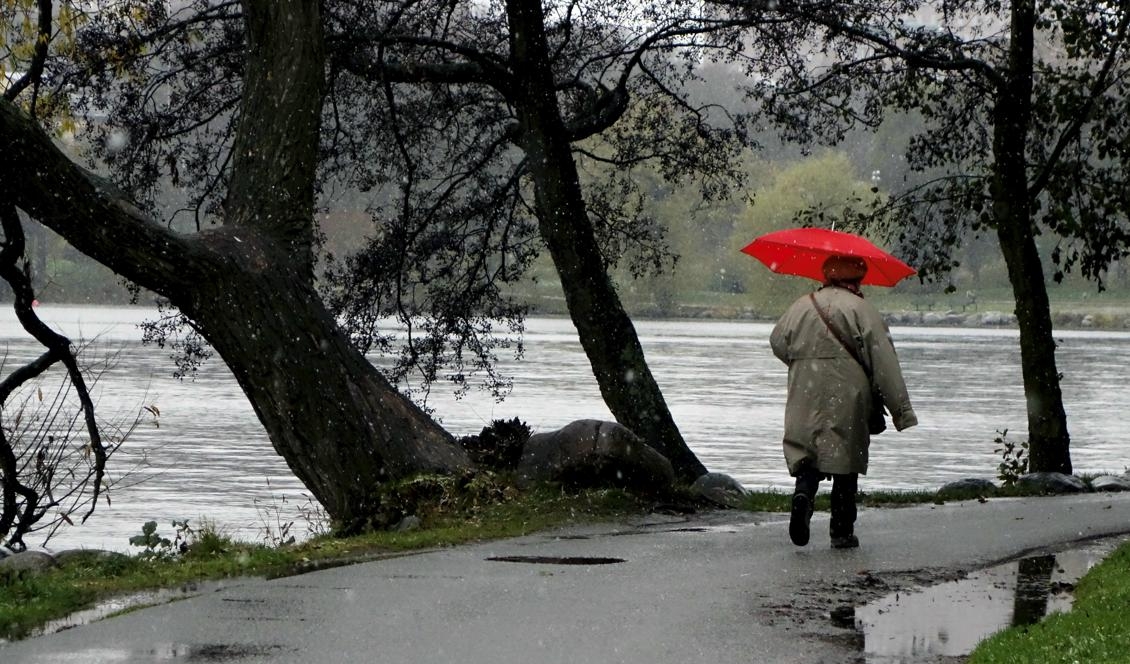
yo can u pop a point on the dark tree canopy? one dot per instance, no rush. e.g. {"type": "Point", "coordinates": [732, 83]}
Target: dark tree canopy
{"type": "Point", "coordinates": [220, 129]}
{"type": "Point", "coordinates": [423, 121]}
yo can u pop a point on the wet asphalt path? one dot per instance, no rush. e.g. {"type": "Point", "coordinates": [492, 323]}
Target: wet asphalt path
{"type": "Point", "coordinates": [713, 587]}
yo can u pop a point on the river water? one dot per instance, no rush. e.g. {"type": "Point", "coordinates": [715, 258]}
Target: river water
{"type": "Point", "coordinates": [206, 455]}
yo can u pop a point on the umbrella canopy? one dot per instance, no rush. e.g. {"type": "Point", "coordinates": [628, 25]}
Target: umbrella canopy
{"type": "Point", "coordinates": [802, 251]}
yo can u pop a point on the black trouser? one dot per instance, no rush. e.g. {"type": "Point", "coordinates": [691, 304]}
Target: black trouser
{"type": "Point", "coordinates": [844, 488]}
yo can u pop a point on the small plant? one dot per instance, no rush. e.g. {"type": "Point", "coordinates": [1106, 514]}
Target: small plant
{"type": "Point", "coordinates": [277, 528]}
{"type": "Point", "coordinates": [1014, 458]}
{"type": "Point", "coordinates": [499, 446]}
{"type": "Point", "coordinates": [155, 546]}
{"type": "Point", "coordinates": [185, 538]}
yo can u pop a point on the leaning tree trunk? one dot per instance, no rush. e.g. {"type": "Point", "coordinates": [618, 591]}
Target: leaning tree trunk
{"type": "Point", "coordinates": [248, 286]}
{"type": "Point", "coordinates": [1048, 439]}
{"type": "Point", "coordinates": [606, 332]}
{"type": "Point", "coordinates": [340, 426]}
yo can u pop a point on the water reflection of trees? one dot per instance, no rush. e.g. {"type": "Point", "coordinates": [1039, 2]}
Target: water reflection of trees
{"type": "Point", "coordinates": [1033, 585]}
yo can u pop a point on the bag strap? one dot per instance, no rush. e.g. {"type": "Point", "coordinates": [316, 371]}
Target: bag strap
{"type": "Point", "coordinates": [848, 346]}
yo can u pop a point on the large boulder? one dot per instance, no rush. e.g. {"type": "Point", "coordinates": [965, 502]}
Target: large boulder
{"type": "Point", "coordinates": [1045, 482]}
{"type": "Point", "coordinates": [595, 453]}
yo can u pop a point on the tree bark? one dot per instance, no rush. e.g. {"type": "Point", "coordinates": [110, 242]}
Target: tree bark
{"type": "Point", "coordinates": [1048, 439]}
{"type": "Point", "coordinates": [605, 329]}
{"type": "Point", "coordinates": [340, 426]}
{"type": "Point", "coordinates": [248, 286]}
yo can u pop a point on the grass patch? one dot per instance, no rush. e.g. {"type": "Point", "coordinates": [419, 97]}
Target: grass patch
{"type": "Point", "coordinates": [1096, 630]}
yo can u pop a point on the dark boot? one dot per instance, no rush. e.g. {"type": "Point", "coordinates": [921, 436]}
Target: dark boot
{"type": "Point", "coordinates": [804, 497]}
{"type": "Point", "coordinates": [799, 519]}
{"type": "Point", "coordinates": [842, 527]}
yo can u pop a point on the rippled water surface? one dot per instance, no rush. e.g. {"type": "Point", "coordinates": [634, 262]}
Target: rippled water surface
{"type": "Point", "coordinates": [210, 457]}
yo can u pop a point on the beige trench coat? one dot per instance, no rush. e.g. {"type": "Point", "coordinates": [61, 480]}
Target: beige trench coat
{"type": "Point", "coordinates": [829, 395]}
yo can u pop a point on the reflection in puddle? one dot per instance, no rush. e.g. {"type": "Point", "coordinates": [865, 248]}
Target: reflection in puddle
{"type": "Point", "coordinates": [950, 619]}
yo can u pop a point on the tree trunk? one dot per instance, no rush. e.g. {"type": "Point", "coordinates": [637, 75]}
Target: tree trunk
{"type": "Point", "coordinates": [605, 330]}
{"type": "Point", "coordinates": [340, 426]}
{"type": "Point", "coordinates": [1048, 440]}
{"type": "Point", "coordinates": [248, 286]}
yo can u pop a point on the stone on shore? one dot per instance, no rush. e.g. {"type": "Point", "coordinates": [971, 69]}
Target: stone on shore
{"type": "Point", "coordinates": [1111, 483]}
{"type": "Point", "coordinates": [1045, 482]}
{"type": "Point", "coordinates": [970, 486]}
{"type": "Point", "coordinates": [81, 556]}
{"type": "Point", "coordinates": [719, 488]}
{"type": "Point", "coordinates": [27, 561]}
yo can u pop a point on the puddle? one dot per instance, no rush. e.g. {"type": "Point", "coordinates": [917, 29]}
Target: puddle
{"type": "Point", "coordinates": [950, 619]}
{"type": "Point", "coordinates": [558, 560]}
{"type": "Point", "coordinates": [183, 652]}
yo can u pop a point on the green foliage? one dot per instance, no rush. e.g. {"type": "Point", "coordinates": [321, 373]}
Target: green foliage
{"type": "Point", "coordinates": [1014, 458]}
{"type": "Point", "coordinates": [153, 544]}
{"type": "Point", "coordinates": [1096, 630]}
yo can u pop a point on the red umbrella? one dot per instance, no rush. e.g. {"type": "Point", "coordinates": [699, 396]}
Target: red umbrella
{"type": "Point", "coordinates": [802, 251]}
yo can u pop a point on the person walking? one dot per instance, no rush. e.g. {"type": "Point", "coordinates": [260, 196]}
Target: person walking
{"type": "Point", "coordinates": [841, 362]}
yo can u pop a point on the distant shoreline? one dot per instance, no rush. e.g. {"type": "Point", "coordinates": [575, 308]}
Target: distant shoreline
{"type": "Point", "coordinates": [1073, 320]}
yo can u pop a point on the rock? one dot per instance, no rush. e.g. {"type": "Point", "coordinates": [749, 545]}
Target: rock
{"type": "Point", "coordinates": [408, 523]}
{"type": "Point", "coordinates": [1052, 483]}
{"type": "Point", "coordinates": [719, 488]}
{"type": "Point", "coordinates": [594, 453]}
{"type": "Point", "coordinates": [970, 486]}
{"type": "Point", "coordinates": [1110, 483]}
{"type": "Point", "coordinates": [28, 561]}
{"type": "Point", "coordinates": [80, 556]}
{"type": "Point", "coordinates": [997, 318]}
